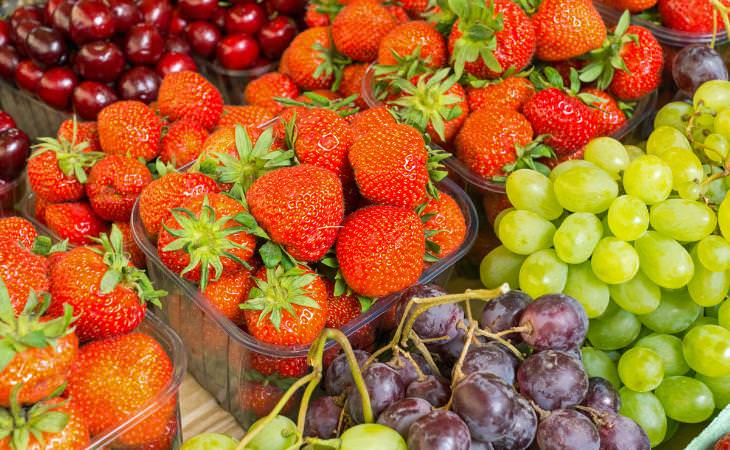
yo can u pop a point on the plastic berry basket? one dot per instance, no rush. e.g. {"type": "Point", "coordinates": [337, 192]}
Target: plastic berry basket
{"type": "Point", "coordinates": [231, 83]}
{"type": "Point", "coordinates": [11, 194]}
{"type": "Point", "coordinates": [220, 353]}
{"type": "Point", "coordinates": [31, 115]}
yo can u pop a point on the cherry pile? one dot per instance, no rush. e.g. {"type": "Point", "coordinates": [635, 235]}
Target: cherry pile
{"type": "Point", "coordinates": [14, 149]}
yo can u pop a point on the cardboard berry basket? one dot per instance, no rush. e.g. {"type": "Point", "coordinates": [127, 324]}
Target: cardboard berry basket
{"type": "Point", "coordinates": [231, 83]}
{"type": "Point", "coordinates": [31, 114]}
{"type": "Point", "coordinates": [222, 355]}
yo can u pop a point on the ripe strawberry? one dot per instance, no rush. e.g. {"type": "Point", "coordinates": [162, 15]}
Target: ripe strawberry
{"type": "Point", "coordinates": [22, 271]}
{"type": "Point", "coordinates": [490, 37]}
{"type": "Point", "coordinates": [300, 207]}
{"type": "Point", "coordinates": [351, 84]}
{"type": "Point", "coordinates": [188, 95]}
{"type": "Point", "coordinates": [107, 293]}
{"type": "Point", "coordinates": [306, 60]}
{"type": "Point", "coordinates": [246, 115]}
{"type": "Point", "coordinates": [341, 310]}
{"type": "Point", "coordinates": [404, 40]}
{"type": "Point", "coordinates": [260, 397]}
{"type": "Point", "coordinates": [100, 385]}
{"type": "Point", "coordinates": [227, 293]}
{"type": "Point", "coordinates": [18, 229]}
{"type": "Point", "coordinates": [167, 192]}
{"type": "Point", "coordinates": [39, 209]}
{"type": "Point", "coordinates": [380, 250]}
{"type": "Point", "coordinates": [486, 142]}
{"type": "Point", "coordinates": [76, 222]}
{"type": "Point", "coordinates": [358, 29]}
{"type": "Point", "coordinates": [511, 93]}
{"type": "Point", "coordinates": [263, 90]}
{"type": "Point", "coordinates": [136, 255]}
{"type": "Point", "coordinates": [130, 128]}
{"type": "Point", "coordinates": [182, 142]}
{"type": "Point", "coordinates": [114, 184]}
{"type": "Point", "coordinates": [493, 203]}
{"type": "Point", "coordinates": [634, 6]}
{"type": "Point", "coordinates": [444, 218]}
{"type": "Point", "coordinates": [279, 367]}
{"type": "Point", "coordinates": [202, 241]}
{"type": "Point", "coordinates": [390, 166]}
{"type": "Point", "coordinates": [85, 132]}
{"type": "Point", "coordinates": [51, 424]}
{"type": "Point", "coordinates": [415, 7]}
{"type": "Point", "coordinates": [323, 139]}
{"type": "Point", "coordinates": [567, 28]}
{"type": "Point", "coordinates": [398, 12]}
{"type": "Point", "coordinates": [724, 443]}
{"type": "Point", "coordinates": [305, 97]}
{"type": "Point", "coordinates": [693, 16]}
{"type": "Point", "coordinates": [610, 116]}
{"type": "Point", "coordinates": [369, 120]}
{"type": "Point", "coordinates": [315, 18]}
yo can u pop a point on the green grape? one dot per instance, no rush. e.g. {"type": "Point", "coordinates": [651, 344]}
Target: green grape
{"type": "Point", "coordinates": [716, 148]}
{"type": "Point", "coordinates": [585, 189]}
{"type": "Point", "coordinates": [530, 190]}
{"type": "Point", "coordinates": [720, 387]}
{"type": "Point", "coordinates": [722, 123]}
{"type": "Point", "coordinates": [591, 292]}
{"type": "Point", "coordinates": [641, 369]}
{"type": "Point", "coordinates": [702, 320]}
{"type": "Point", "coordinates": [525, 232]}
{"type": "Point", "coordinates": [577, 236]}
{"type": "Point", "coordinates": [669, 349]}
{"type": "Point", "coordinates": [634, 152]}
{"type": "Point", "coordinates": [666, 137]}
{"type": "Point", "coordinates": [714, 95]}
{"type": "Point", "coordinates": [689, 190]}
{"type": "Point", "coordinates": [675, 313]}
{"type": "Point", "coordinates": [597, 363]}
{"type": "Point", "coordinates": [685, 165]}
{"type": "Point", "coordinates": [543, 273]}
{"type": "Point", "coordinates": [608, 154]}
{"type": "Point", "coordinates": [707, 288]}
{"type": "Point", "coordinates": [703, 125]}
{"type": "Point", "coordinates": [501, 266]}
{"type": "Point", "coordinates": [716, 190]}
{"type": "Point", "coordinates": [614, 261]}
{"type": "Point", "coordinates": [707, 350]}
{"type": "Point", "coordinates": [638, 295]}
{"type": "Point", "coordinates": [674, 114]}
{"type": "Point", "coordinates": [713, 253]}
{"type": "Point", "coordinates": [683, 220]}
{"type": "Point", "coordinates": [569, 164]}
{"type": "Point", "coordinates": [499, 218]}
{"type": "Point", "coordinates": [672, 428]}
{"type": "Point", "coordinates": [646, 410]}
{"type": "Point", "coordinates": [723, 315]}
{"type": "Point", "coordinates": [648, 178]}
{"type": "Point", "coordinates": [664, 260]}
{"type": "Point", "coordinates": [685, 399]}
{"type": "Point", "coordinates": [723, 218]}
{"type": "Point", "coordinates": [614, 330]}
{"type": "Point", "coordinates": [628, 217]}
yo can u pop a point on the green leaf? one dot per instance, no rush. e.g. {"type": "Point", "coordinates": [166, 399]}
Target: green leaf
{"type": "Point", "coordinates": [271, 254]}
{"type": "Point", "coordinates": [110, 280]}
{"type": "Point", "coordinates": [51, 422]}
{"type": "Point", "coordinates": [365, 303]}
{"type": "Point", "coordinates": [6, 354]}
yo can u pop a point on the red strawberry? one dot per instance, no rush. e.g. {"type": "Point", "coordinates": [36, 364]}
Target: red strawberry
{"type": "Point", "coordinates": [18, 229]}
{"type": "Point", "coordinates": [724, 443]}
{"type": "Point", "coordinates": [494, 203]}
{"type": "Point", "coordinates": [76, 222]}
{"type": "Point", "coordinates": [263, 90]}
{"type": "Point", "coordinates": [512, 93]}
{"type": "Point", "coordinates": [113, 186]}
{"type": "Point", "coordinates": [136, 255]}
{"type": "Point", "coordinates": [39, 209]}
{"type": "Point", "coordinates": [189, 95]}
{"type": "Point", "coordinates": [22, 272]}
{"type": "Point", "coordinates": [306, 63]}
{"type": "Point", "coordinates": [370, 120]}
{"type": "Point", "coordinates": [313, 17]}
{"type": "Point", "coordinates": [260, 397]}
{"type": "Point", "coordinates": [351, 83]}
{"type": "Point", "coordinates": [284, 367]}
{"type": "Point", "coordinates": [567, 28]}
{"type": "Point", "coordinates": [323, 139]}
{"type": "Point", "coordinates": [341, 310]}
{"type": "Point", "coordinates": [693, 16]}
{"type": "Point", "coordinates": [445, 219]}
{"type": "Point", "coordinates": [634, 6]}
{"type": "Point", "coordinates": [246, 115]}
{"type": "Point", "coordinates": [85, 132]}
{"type": "Point", "coordinates": [399, 13]}
{"type": "Point", "coordinates": [51, 424]}
{"type": "Point", "coordinates": [405, 39]}
{"type": "Point", "coordinates": [182, 143]}
{"type": "Point", "coordinates": [130, 128]}
{"type": "Point", "coordinates": [610, 116]}
{"type": "Point", "coordinates": [227, 293]}
{"type": "Point", "coordinates": [358, 29]}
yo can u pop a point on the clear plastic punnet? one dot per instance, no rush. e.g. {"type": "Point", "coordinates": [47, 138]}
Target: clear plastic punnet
{"type": "Point", "coordinates": [231, 83]}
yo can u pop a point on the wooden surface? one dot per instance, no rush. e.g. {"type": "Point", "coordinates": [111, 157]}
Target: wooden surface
{"type": "Point", "coordinates": [201, 413]}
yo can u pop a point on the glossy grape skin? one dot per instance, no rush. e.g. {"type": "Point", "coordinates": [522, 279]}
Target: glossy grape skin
{"type": "Point", "coordinates": [628, 217]}
{"type": "Point", "coordinates": [504, 312]}
{"type": "Point", "coordinates": [714, 253]}
{"type": "Point", "coordinates": [675, 313]}
{"type": "Point", "coordinates": [638, 295]}
{"type": "Point", "coordinates": [598, 364]}
{"type": "Point", "coordinates": [524, 232]}
{"type": "Point", "coordinates": [614, 261]}
{"type": "Point", "coordinates": [621, 433]}
{"type": "Point", "coordinates": [523, 429]}
{"type": "Point", "coordinates": [478, 445]}
{"type": "Point", "coordinates": [501, 266]}
{"type": "Point", "coordinates": [583, 285]}
{"type": "Point", "coordinates": [683, 220]}
{"type": "Point", "coordinates": [696, 64]}
{"type": "Point", "coordinates": [723, 315]}
{"type": "Point", "coordinates": [384, 386]}
{"type": "Point", "coordinates": [279, 434]}
{"type": "Point", "coordinates": [720, 388]}
{"type": "Point", "coordinates": [433, 389]}
{"type": "Point", "coordinates": [648, 178]}
{"type": "Point", "coordinates": [585, 189]}
{"type": "Point", "coordinates": [210, 441]}
{"type": "Point", "coordinates": [714, 95]}
{"type": "Point", "coordinates": [543, 273]}
{"type": "Point", "coordinates": [723, 218]}
{"type": "Point", "coordinates": [577, 236]}
{"type": "Point", "coordinates": [437, 321]}
{"type": "Point", "coordinates": [641, 369]}
{"type": "Point", "coordinates": [664, 261]}
{"type": "Point", "coordinates": [669, 348]}
{"type": "Point", "coordinates": [665, 137]}
{"type": "Point", "coordinates": [339, 376]}
{"type": "Point", "coordinates": [486, 404]}
{"type": "Point", "coordinates": [490, 358]}
{"type": "Point", "coordinates": [615, 329]}
{"type": "Point", "coordinates": [707, 350]}
{"type": "Point", "coordinates": [405, 368]}
{"type": "Point", "coordinates": [439, 430]}
{"type": "Point", "coordinates": [686, 166]}
{"type": "Point", "coordinates": [530, 190]}
{"type": "Point", "coordinates": [566, 429]}
{"type": "Point", "coordinates": [608, 154]}
{"type": "Point", "coordinates": [707, 288]}
{"type": "Point", "coordinates": [556, 321]}
{"type": "Point", "coordinates": [685, 399]}
{"type": "Point", "coordinates": [646, 410]}
{"type": "Point", "coordinates": [322, 418]}
{"type": "Point", "coordinates": [602, 396]}
{"type": "Point", "coordinates": [372, 436]}
{"type": "Point", "coordinates": [674, 114]}
{"type": "Point", "coordinates": [552, 379]}
{"type": "Point", "coordinates": [402, 414]}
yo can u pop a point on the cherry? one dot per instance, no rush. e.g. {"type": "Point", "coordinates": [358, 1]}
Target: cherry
{"type": "Point", "coordinates": [4, 33]}
{"type": "Point", "coordinates": [100, 61]}
{"type": "Point", "coordinates": [21, 32]}
{"type": "Point", "coordinates": [125, 14]}
{"type": "Point", "coordinates": [6, 121]}
{"type": "Point", "coordinates": [46, 46]}
{"type": "Point", "coordinates": [156, 12]}
{"type": "Point", "coordinates": [23, 13]}
{"type": "Point", "coordinates": [9, 60]}
{"type": "Point", "coordinates": [197, 9]}
{"type": "Point", "coordinates": [276, 35]}
{"type": "Point", "coordinates": [14, 152]}
{"type": "Point", "coordinates": [174, 62]}
{"type": "Point", "coordinates": [203, 37]}
{"type": "Point", "coordinates": [237, 51]}
{"type": "Point", "coordinates": [245, 18]}
{"type": "Point", "coordinates": [177, 23]}
{"type": "Point", "coordinates": [144, 44]}
{"type": "Point", "coordinates": [91, 20]}
{"type": "Point", "coordinates": [139, 83]}
{"type": "Point", "coordinates": [90, 97]}
{"type": "Point", "coordinates": [219, 18]}
{"type": "Point", "coordinates": [28, 75]}
{"type": "Point", "coordinates": [61, 19]}
{"type": "Point", "coordinates": [56, 87]}
{"type": "Point", "coordinates": [48, 9]}
{"type": "Point", "coordinates": [177, 44]}
{"type": "Point", "coordinates": [291, 7]}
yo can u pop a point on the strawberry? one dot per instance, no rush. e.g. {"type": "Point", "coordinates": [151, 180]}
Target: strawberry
{"type": "Point", "coordinates": [22, 271]}
{"type": "Point", "coordinates": [18, 229]}
{"type": "Point", "coordinates": [306, 97]}
{"type": "Point", "coordinates": [370, 120]}
{"type": "Point", "coordinates": [444, 219]}
{"type": "Point", "coordinates": [610, 116]}
{"type": "Point", "coordinates": [114, 184]}
{"type": "Point", "coordinates": [263, 90]}
{"type": "Point", "coordinates": [341, 310]}
{"type": "Point", "coordinates": [486, 142]}
{"type": "Point", "coordinates": [182, 142]}
{"type": "Point", "coordinates": [390, 166]}
{"type": "Point", "coordinates": [189, 95]}
{"type": "Point", "coordinates": [494, 203]}
{"type": "Point", "coordinates": [130, 128]}
{"type": "Point", "coordinates": [352, 76]}
{"type": "Point", "coordinates": [723, 443]}
{"type": "Point", "coordinates": [490, 37]}
{"type": "Point", "coordinates": [227, 293]}
{"type": "Point", "coordinates": [511, 93]}
{"type": "Point", "coordinates": [567, 28]}
{"type": "Point", "coordinates": [358, 29]}
{"type": "Point", "coordinates": [634, 6]}
{"type": "Point", "coordinates": [286, 307]}
{"type": "Point", "coordinates": [415, 37]}
{"type": "Point", "coordinates": [85, 132]}
{"type": "Point", "coordinates": [260, 397]}
{"type": "Point", "coordinates": [307, 59]}
{"type": "Point", "coordinates": [281, 367]}
{"type": "Point", "coordinates": [51, 424]}
{"type": "Point", "coordinates": [398, 12]}
{"type": "Point", "coordinates": [300, 208]}
{"type": "Point", "coordinates": [693, 16]}
{"type": "Point", "coordinates": [136, 255]}
{"type": "Point", "coordinates": [167, 192]}
{"type": "Point", "coordinates": [323, 139]}
{"type": "Point", "coordinates": [201, 239]}
{"type": "Point", "coordinates": [100, 385]}
{"type": "Point", "coordinates": [76, 222]}
{"type": "Point", "coordinates": [38, 352]}
{"type": "Point", "coordinates": [313, 17]}
{"type": "Point", "coordinates": [246, 115]}
{"type": "Point", "coordinates": [106, 291]}
{"type": "Point", "coordinates": [415, 7]}
{"type": "Point", "coordinates": [39, 209]}
{"type": "Point", "coordinates": [380, 250]}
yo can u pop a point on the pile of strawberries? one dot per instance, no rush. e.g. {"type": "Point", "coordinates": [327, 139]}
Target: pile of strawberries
{"type": "Point", "coordinates": [69, 349]}
{"type": "Point", "coordinates": [691, 16]}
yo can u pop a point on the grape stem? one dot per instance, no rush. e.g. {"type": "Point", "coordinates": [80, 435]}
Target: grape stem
{"type": "Point", "coordinates": [398, 363]}
{"type": "Point", "coordinates": [723, 11]}
{"type": "Point", "coordinates": [458, 373]}
{"type": "Point", "coordinates": [540, 412]}
{"type": "Point", "coordinates": [596, 415]}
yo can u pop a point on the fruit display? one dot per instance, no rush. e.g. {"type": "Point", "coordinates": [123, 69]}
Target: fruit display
{"type": "Point", "coordinates": [693, 18]}
{"type": "Point", "coordinates": [14, 151]}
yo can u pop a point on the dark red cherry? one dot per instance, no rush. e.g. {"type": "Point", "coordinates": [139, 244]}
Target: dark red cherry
{"type": "Point", "coordinates": [27, 75]}
{"type": "Point", "coordinates": [56, 87]}
{"type": "Point", "coordinates": [21, 32]}
{"type": "Point", "coordinates": [46, 46]}
{"type": "Point", "coordinates": [197, 9]}
{"type": "Point", "coordinates": [139, 83]}
{"type": "Point", "coordinates": [290, 7]}
{"type": "Point", "coordinates": [245, 18]}
{"type": "Point", "coordinates": [90, 97]}
{"type": "Point", "coordinates": [14, 152]}
{"type": "Point", "coordinates": [23, 13]}
{"type": "Point", "coordinates": [144, 44]}
{"type": "Point", "coordinates": [100, 61]}
{"type": "Point", "coordinates": [61, 19]}
{"type": "Point", "coordinates": [4, 33]}
{"type": "Point", "coordinates": [174, 62]}
{"type": "Point", "coordinates": [6, 121]}
{"type": "Point", "coordinates": [91, 20]}
{"type": "Point", "coordinates": [237, 51]}
{"type": "Point", "coordinates": [156, 12]}
{"type": "Point", "coordinates": [177, 23]}
{"type": "Point", "coordinates": [219, 18]}
{"type": "Point", "coordinates": [177, 44]}
{"type": "Point", "coordinates": [276, 35]}
{"type": "Point", "coordinates": [125, 14]}
{"type": "Point", "coordinates": [9, 60]}
{"type": "Point", "coordinates": [203, 37]}
{"type": "Point", "coordinates": [48, 9]}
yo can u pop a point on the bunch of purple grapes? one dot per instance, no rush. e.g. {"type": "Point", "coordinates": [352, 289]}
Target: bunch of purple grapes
{"type": "Point", "coordinates": [498, 401]}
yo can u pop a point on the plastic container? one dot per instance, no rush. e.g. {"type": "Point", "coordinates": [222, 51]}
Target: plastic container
{"type": "Point", "coordinates": [231, 83]}
{"type": "Point", "coordinates": [12, 193]}
{"type": "Point", "coordinates": [220, 353]}
{"type": "Point", "coordinates": [31, 115]}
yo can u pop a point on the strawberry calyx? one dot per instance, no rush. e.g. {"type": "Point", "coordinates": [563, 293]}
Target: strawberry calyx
{"type": "Point", "coordinates": [551, 79]}
{"type": "Point", "coordinates": [604, 61]}
{"type": "Point", "coordinates": [432, 248]}
{"type": "Point", "coordinates": [21, 423]}
{"type": "Point", "coordinates": [436, 169]}
{"type": "Point", "coordinates": [339, 285]}
{"type": "Point", "coordinates": [407, 66]}
{"type": "Point", "coordinates": [440, 15]}
{"type": "Point", "coordinates": [72, 157]}
{"type": "Point", "coordinates": [274, 379]}
{"type": "Point", "coordinates": [479, 24]}
{"type": "Point", "coordinates": [528, 157]}
{"type": "Point", "coordinates": [271, 253]}
{"type": "Point", "coordinates": [333, 63]}
{"type": "Point", "coordinates": [44, 246]}
{"type": "Point", "coordinates": [329, 7]}
{"type": "Point", "coordinates": [343, 106]}
{"type": "Point", "coordinates": [511, 72]}
{"type": "Point", "coordinates": [282, 289]}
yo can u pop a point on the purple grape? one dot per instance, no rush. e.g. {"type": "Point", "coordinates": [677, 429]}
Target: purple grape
{"type": "Point", "coordinates": [405, 368]}
{"type": "Point", "coordinates": [491, 358]}
{"type": "Point", "coordinates": [602, 396]}
{"type": "Point", "coordinates": [621, 433]}
{"type": "Point", "coordinates": [486, 404]}
{"type": "Point", "coordinates": [338, 376]}
{"type": "Point", "coordinates": [439, 430]}
{"type": "Point", "coordinates": [523, 430]}
{"type": "Point", "coordinates": [437, 321]}
{"type": "Point", "coordinates": [450, 351]}
{"type": "Point", "coordinates": [696, 64]}
{"type": "Point", "coordinates": [553, 380]}
{"type": "Point", "coordinates": [565, 429]}
{"type": "Point", "coordinates": [556, 322]}
{"type": "Point", "coordinates": [432, 389]}
{"type": "Point", "coordinates": [402, 414]}
{"type": "Point", "coordinates": [504, 312]}
{"type": "Point", "coordinates": [322, 418]}
{"type": "Point", "coordinates": [478, 445]}
{"type": "Point", "coordinates": [385, 387]}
